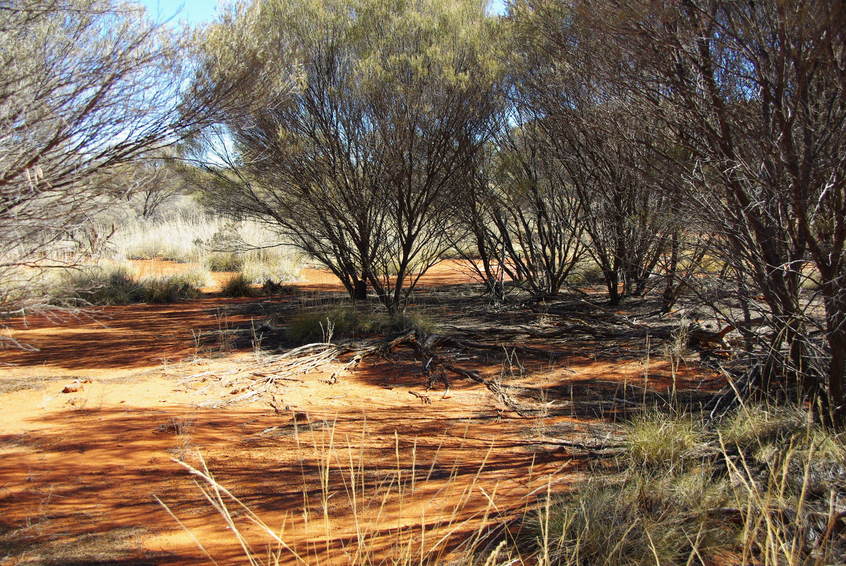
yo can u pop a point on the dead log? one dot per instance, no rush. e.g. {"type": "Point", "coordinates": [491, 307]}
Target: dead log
{"type": "Point", "coordinates": [433, 362]}
{"type": "Point", "coordinates": [259, 379]}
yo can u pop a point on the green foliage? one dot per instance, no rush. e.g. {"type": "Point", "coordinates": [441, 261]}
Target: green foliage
{"type": "Point", "coordinates": [687, 495]}
{"type": "Point", "coordinates": [224, 261]}
{"type": "Point", "coordinates": [346, 321]}
{"type": "Point", "coordinates": [239, 286]}
{"type": "Point", "coordinates": [379, 110]}
{"type": "Point", "coordinates": [655, 440]}
{"type": "Point", "coordinates": [643, 520]}
{"type": "Point", "coordinates": [116, 286]}
{"type": "Point", "coordinates": [398, 47]}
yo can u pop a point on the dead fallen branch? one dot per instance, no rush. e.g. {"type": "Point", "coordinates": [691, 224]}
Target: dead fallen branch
{"type": "Point", "coordinates": [436, 365]}
{"type": "Point", "coordinates": [4, 340]}
{"type": "Point", "coordinates": [258, 379]}
{"type": "Point", "coordinates": [424, 398]}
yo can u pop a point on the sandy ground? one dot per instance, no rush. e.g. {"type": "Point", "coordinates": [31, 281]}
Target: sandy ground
{"type": "Point", "coordinates": [95, 423]}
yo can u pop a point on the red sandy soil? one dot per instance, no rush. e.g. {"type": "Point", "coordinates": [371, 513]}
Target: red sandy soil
{"type": "Point", "coordinates": [82, 473]}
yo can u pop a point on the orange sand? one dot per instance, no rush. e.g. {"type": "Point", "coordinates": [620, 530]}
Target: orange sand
{"type": "Point", "coordinates": [82, 474]}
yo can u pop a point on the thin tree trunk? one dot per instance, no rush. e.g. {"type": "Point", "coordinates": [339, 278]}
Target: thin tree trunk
{"type": "Point", "coordinates": [612, 282]}
{"type": "Point", "coordinates": [835, 306]}
{"type": "Point", "coordinates": [671, 288]}
{"type": "Point", "coordinates": [836, 377]}
{"type": "Point", "coordinates": [359, 292]}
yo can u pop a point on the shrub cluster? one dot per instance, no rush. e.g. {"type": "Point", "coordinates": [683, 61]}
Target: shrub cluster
{"type": "Point", "coordinates": [346, 321]}
{"type": "Point", "coordinates": [239, 286]}
{"type": "Point", "coordinates": [758, 485]}
{"type": "Point", "coordinates": [99, 286]}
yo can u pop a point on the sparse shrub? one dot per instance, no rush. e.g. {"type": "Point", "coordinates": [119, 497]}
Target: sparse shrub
{"type": "Point", "coordinates": [346, 321]}
{"type": "Point", "coordinates": [677, 346]}
{"type": "Point", "coordinates": [784, 442]}
{"type": "Point", "coordinates": [416, 321]}
{"type": "Point", "coordinates": [754, 425]}
{"type": "Point", "coordinates": [810, 283]}
{"type": "Point", "coordinates": [224, 261]}
{"type": "Point", "coordinates": [99, 285]}
{"type": "Point", "coordinates": [278, 264]}
{"type": "Point", "coordinates": [270, 287]}
{"type": "Point", "coordinates": [352, 322]}
{"type": "Point", "coordinates": [167, 289]}
{"type": "Point", "coordinates": [197, 277]}
{"type": "Point", "coordinates": [180, 238]}
{"type": "Point", "coordinates": [239, 286]}
{"type": "Point", "coordinates": [115, 285]}
{"type": "Point", "coordinates": [643, 520]}
{"type": "Point", "coordinates": [459, 253]}
{"type": "Point", "coordinates": [765, 497]}
{"type": "Point", "coordinates": [587, 273]}
{"type": "Point", "coordinates": [221, 245]}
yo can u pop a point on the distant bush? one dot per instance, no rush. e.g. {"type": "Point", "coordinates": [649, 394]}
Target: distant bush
{"type": "Point", "coordinates": [217, 243]}
{"type": "Point", "coordinates": [587, 273]}
{"type": "Point", "coordinates": [110, 285]}
{"type": "Point", "coordinates": [278, 264]}
{"type": "Point", "coordinates": [346, 321]}
{"type": "Point", "coordinates": [411, 321]}
{"type": "Point", "coordinates": [239, 286]}
{"type": "Point", "coordinates": [270, 287]}
{"type": "Point", "coordinates": [177, 239]}
{"type": "Point", "coordinates": [224, 261]}
{"type": "Point", "coordinates": [168, 289]}
{"type": "Point", "coordinates": [99, 287]}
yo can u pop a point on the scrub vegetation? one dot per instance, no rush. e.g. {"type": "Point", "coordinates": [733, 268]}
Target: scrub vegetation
{"type": "Point", "coordinates": [620, 225]}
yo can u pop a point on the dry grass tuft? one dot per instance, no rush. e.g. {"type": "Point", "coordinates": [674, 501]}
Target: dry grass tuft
{"type": "Point", "coordinates": [655, 440]}
{"type": "Point", "coordinates": [347, 505]}
{"type": "Point", "coordinates": [773, 495]}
